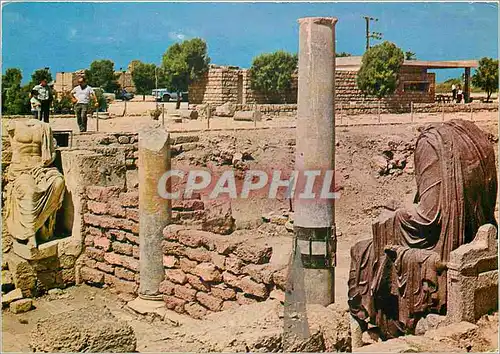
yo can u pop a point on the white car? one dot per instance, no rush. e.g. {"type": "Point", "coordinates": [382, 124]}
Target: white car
{"type": "Point", "coordinates": [164, 95]}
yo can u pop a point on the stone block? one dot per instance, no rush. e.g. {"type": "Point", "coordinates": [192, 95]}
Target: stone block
{"type": "Point", "coordinates": [105, 267]}
{"type": "Point", "coordinates": [20, 306]}
{"type": "Point", "coordinates": [225, 110]}
{"type": "Point", "coordinates": [173, 248]}
{"type": "Point", "coordinates": [129, 199]}
{"type": "Point", "coordinates": [195, 310]}
{"type": "Point", "coordinates": [92, 329]}
{"type": "Point", "coordinates": [102, 194]}
{"type": "Point", "coordinates": [170, 232]}
{"type": "Point", "coordinates": [473, 277]}
{"type": "Point", "coordinates": [199, 254]}
{"type": "Point", "coordinates": [197, 283]}
{"type": "Point", "coordinates": [223, 292]}
{"type": "Point", "coordinates": [250, 253]}
{"type": "Point", "coordinates": [211, 302]}
{"type": "Point", "coordinates": [184, 292]}
{"type": "Point", "coordinates": [253, 288]}
{"type": "Point", "coordinates": [132, 214]}
{"type": "Point", "coordinates": [249, 116]}
{"type": "Point", "coordinates": [92, 276]}
{"type": "Point", "coordinates": [98, 208]}
{"type": "Point", "coordinates": [208, 272]}
{"type": "Point", "coordinates": [231, 279]}
{"type": "Point", "coordinates": [261, 273]}
{"type": "Point", "coordinates": [95, 254]}
{"type": "Point", "coordinates": [234, 264]}
{"type": "Point", "coordinates": [102, 243]}
{"type": "Point", "coordinates": [122, 248]}
{"type": "Point", "coordinates": [187, 265]}
{"type": "Point", "coordinates": [174, 303]}
{"type": "Point", "coordinates": [124, 273]}
{"type": "Point", "coordinates": [170, 262]}
{"type": "Point", "coordinates": [11, 296]}
{"type": "Point", "coordinates": [176, 276]}
{"type": "Point", "coordinates": [219, 260]}
{"type": "Point", "coordinates": [23, 274]}
{"type": "Point", "coordinates": [218, 217]}
{"type": "Point", "coordinates": [167, 287]}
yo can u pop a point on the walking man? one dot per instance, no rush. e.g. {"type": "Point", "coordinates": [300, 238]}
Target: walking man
{"type": "Point", "coordinates": [45, 99]}
{"type": "Point", "coordinates": [81, 96]}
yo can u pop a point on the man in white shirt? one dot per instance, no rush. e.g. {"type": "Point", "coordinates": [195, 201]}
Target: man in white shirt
{"type": "Point", "coordinates": [45, 98]}
{"type": "Point", "coordinates": [81, 96]}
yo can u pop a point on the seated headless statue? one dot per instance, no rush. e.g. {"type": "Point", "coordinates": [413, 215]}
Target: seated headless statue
{"type": "Point", "coordinates": [35, 190]}
{"type": "Point", "coordinates": [400, 275]}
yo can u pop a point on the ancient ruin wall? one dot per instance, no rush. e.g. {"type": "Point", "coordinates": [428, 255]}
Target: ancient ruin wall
{"type": "Point", "coordinates": [221, 84]}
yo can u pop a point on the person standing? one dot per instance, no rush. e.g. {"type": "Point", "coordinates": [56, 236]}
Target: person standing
{"type": "Point", "coordinates": [459, 94]}
{"type": "Point", "coordinates": [454, 91]}
{"type": "Point", "coordinates": [81, 96]}
{"type": "Point", "coordinates": [35, 104]}
{"type": "Point", "coordinates": [45, 98]}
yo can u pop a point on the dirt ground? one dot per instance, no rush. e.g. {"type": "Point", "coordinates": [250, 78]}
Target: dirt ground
{"type": "Point", "coordinates": [363, 195]}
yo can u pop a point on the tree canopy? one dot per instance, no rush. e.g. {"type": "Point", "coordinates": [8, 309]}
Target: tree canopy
{"type": "Point", "coordinates": [143, 75]}
{"type": "Point", "coordinates": [409, 55]}
{"type": "Point", "coordinates": [39, 75]}
{"type": "Point", "coordinates": [102, 74]}
{"type": "Point", "coordinates": [15, 98]}
{"type": "Point", "coordinates": [486, 76]}
{"type": "Point", "coordinates": [271, 73]}
{"type": "Point", "coordinates": [12, 77]}
{"type": "Point", "coordinates": [379, 72]}
{"type": "Point", "coordinates": [184, 63]}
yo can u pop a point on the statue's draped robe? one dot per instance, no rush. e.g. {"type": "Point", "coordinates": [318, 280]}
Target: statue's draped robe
{"type": "Point", "coordinates": [398, 277]}
{"type": "Point", "coordinates": [35, 192]}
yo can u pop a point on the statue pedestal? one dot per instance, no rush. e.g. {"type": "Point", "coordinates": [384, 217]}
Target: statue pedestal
{"type": "Point", "coordinates": [32, 253]}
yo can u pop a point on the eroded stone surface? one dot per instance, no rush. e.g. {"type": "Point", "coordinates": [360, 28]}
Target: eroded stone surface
{"type": "Point", "coordinates": [92, 329]}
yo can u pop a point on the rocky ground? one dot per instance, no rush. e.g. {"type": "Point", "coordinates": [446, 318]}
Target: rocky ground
{"type": "Point", "coordinates": [374, 169]}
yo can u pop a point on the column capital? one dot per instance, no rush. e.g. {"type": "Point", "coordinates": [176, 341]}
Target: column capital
{"type": "Point", "coordinates": [327, 21]}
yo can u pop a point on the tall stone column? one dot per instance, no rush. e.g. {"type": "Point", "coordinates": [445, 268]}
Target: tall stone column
{"type": "Point", "coordinates": [314, 219]}
{"type": "Point", "coordinates": [154, 212]}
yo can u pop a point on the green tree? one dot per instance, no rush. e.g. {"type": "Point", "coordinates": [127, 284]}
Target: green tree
{"type": "Point", "coordinates": [486, 76]}
{"type": "Point", "coordinates": [379, 72]}
{"type": "Point", "coordinates": [12, 77]}
{"type": "Point", "coordinates": [40, 74]}
{"type": "Point", "coordinates": [15, 98]}
{"type": "Point", "coordinates": [343, 54]}
{"type": "Point", "coordinates": [409, 55]}
{"type": "Point", "coordinates": [143, 75]}
{"type": "Point", "coordinates": [102, 74]}
{"type": "Point", "coordinates": [184, 63]}
{"type": "Point", "coordinates": [271, 73]}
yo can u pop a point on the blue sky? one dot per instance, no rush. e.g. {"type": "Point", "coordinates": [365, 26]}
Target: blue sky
{"type": "Point", "coordinates": [69, 36]}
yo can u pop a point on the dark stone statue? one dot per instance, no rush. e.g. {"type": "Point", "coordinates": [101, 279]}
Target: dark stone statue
{"type": "Point", "coordinates": [400, 275]}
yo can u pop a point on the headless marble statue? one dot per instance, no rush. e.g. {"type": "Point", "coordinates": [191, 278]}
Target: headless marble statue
{"type": "Point", "coordinates": [35, 190]}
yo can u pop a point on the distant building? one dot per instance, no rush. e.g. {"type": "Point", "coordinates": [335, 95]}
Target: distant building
{"type": "Point", "coordinates": [232, 84]}
{"type": "Point", "coordinates": [65, 81]}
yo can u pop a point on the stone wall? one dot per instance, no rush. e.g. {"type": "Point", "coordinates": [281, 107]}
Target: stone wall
{"type": "Point", "coordinates": [346, 89]}
{"type": "Point", "coordinates": [223, 84]}
{"type": "Point", "coordinates": [371, 107]}
{"type": "Point", "coordinates": [231, 84]}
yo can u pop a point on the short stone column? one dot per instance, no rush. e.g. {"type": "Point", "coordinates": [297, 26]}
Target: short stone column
{"type": "Point", "coordinates": [155, 212]}
{"type": "Point", "coordinates": [314, 220]}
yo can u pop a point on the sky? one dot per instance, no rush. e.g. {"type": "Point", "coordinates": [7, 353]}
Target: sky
{"type": "Point", "coordinates": [69, 36]}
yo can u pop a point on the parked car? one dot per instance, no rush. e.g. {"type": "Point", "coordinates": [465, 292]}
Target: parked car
{"type": "Point", "coordinates": [124, 95]}
{"type": "Point", "coordinates": [165, 95]}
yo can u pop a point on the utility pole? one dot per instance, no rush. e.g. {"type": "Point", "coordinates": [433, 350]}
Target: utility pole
{"type": "Point", "coordinates": [374, 35]}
